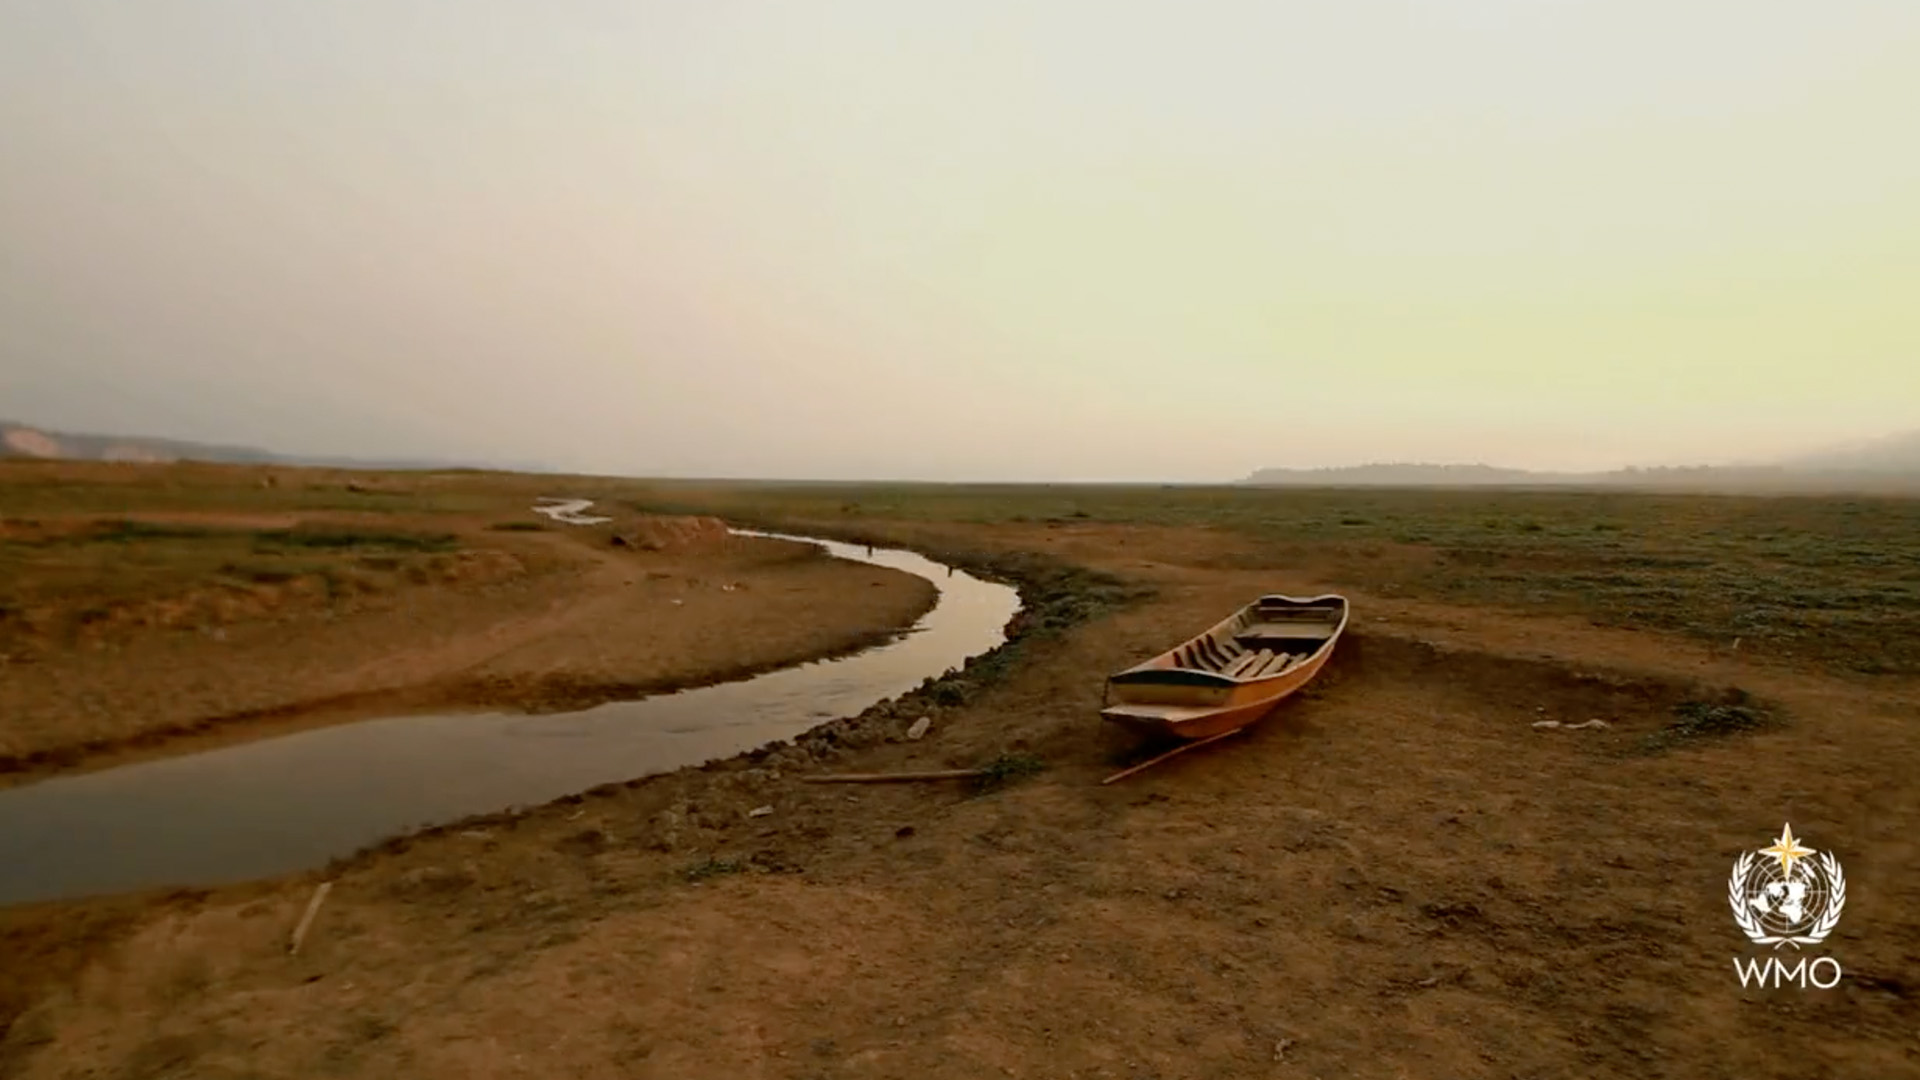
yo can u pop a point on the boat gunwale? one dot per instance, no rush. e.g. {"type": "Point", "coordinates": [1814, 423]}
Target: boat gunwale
{"type": "Point", "coordinates": [1144, 672]}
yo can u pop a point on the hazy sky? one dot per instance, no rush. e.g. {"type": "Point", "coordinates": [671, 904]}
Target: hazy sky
{"type": "Point", "coordinates": [1045, 239]}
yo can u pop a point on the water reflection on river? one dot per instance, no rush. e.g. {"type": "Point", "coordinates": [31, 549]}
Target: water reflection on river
{"type": "Point", "coordinates": [297, 800]}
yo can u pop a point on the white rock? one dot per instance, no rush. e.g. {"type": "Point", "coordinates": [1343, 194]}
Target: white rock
{"type": "Point", "coordinates": [1543, 724]}
{"type": "Point", "coordinates": [760, 811]}
{"type": "Point", "coordinates": [920, 728]}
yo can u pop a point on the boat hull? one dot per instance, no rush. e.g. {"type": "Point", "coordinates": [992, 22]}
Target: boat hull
{"type": "Point", "coordinates": [1193, 691]}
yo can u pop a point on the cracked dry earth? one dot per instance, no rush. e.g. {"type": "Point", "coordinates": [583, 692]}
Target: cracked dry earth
{"type": "Point", "coordinates": [1395, 875]}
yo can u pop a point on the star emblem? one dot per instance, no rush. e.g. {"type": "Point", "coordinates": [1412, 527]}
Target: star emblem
{"type": "Point", "coordinates": [1787, 849]}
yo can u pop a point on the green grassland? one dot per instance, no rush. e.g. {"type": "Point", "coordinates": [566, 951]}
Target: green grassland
{"type": "Point", "coordinates": [115, 561]}
{"type": "Point", "coordinates": [1829, 580]}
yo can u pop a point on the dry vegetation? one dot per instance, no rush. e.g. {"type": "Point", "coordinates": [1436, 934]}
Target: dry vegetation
{"type": "Point", "coordinates": [1832, 581]}
{"type": "Point", "coordinates": [144, 605]}
{"type": "Point", "coordinates": [1396, 875]}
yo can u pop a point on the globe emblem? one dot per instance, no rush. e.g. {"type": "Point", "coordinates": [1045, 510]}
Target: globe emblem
{"type": "Point", "coordinates": [1786, 894]}
{"type": "Point", "coordinates": [1786, 903]}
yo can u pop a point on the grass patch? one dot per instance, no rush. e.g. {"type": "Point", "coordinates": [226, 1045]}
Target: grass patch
{"type": "Point", "coordinates": [1007, 769]}
{"type": "Point", "coordinates": [1711, 719]}
{"type": "Point", "coordinates": [118, 531]}
{"type": "Point", "coordinates": [1828, 581]}
{"type": "Point", "coordinates": [355, 539]}
{"type": "Point", "coordinates": [128, 532]}
{"type": "Point", "coordinates": [78, 576]}
{"type": "Point", "coordinates": [713, 867]}
{"type": "Point", "coordinates": [951, 692]}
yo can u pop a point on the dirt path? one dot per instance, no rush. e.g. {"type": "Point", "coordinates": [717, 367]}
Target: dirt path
{"type": "Point", "coordinates": [602, 584]}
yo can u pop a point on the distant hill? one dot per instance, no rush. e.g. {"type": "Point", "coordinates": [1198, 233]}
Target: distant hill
{"type": "Point", "coordinates": [1890, 465]}
{"type": "Point", "coordinates": [24, 441]}
{"type": "Point", "coordinates": [1408, 475]}
{"type": "Point", "coordinates": [1894, 453]}
{"type": "Point", "coordinates": [20, 440]}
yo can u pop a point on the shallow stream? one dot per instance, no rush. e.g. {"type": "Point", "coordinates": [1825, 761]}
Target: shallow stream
{"type": "Point", "coordinates": [294, 801]}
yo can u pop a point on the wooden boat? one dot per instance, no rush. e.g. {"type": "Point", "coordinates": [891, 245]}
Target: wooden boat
{"type": "Point", "coordinates": [1232, 675]}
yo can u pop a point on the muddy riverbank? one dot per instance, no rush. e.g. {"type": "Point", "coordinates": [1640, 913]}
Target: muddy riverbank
{"type": "Point", "coordinates": [580, 623]}
{"type": "Point", "coordinates": [289, 802]}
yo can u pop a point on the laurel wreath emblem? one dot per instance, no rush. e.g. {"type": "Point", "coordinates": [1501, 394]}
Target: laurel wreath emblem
{"type": "Point", "coordinates": [1749, 923]}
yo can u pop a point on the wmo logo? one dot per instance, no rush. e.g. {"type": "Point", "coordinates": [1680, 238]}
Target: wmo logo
{"type": "Point", "coordinates": [1787, 895]}
{"type": "Point", "coordinates": [1758, 973]}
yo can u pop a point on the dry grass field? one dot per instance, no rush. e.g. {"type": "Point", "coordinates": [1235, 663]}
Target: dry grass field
{"type": "Point", "coordinates": [1395, 875]}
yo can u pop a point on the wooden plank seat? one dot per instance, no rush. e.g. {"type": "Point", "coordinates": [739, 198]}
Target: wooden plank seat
{"type": "Point", "coordinates": [1250, 662]}
{"type": "Point", "coordinates": [1260, 664]}
{"type": "Point", "coordinates": [1261, 632]}
{"type": "Point", "coordinates": [1275, 666]}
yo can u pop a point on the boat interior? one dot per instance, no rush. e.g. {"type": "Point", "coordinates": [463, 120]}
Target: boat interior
{"type": "Point", "coordinates": [1263, 639]}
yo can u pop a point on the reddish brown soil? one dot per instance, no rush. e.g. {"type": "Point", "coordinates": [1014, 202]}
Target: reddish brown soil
{"type": "Point", "coordinates": [516, 620]}
{"type": "Point", "coordinates": [1396, 875]}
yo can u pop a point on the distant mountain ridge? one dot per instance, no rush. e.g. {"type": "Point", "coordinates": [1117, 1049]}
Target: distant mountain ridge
{"type": "Point", "coordinates": [1401, 474]}
{"type": "Point", "coordinates": [1890, 464]}
{"type": "Point", "coordinates": [1891, 453]}
{"type": "Point", "coordinates": [25, 441]}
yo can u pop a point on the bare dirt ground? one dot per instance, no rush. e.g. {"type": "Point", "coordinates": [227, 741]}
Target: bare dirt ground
{"type": "Point", "coordinates": [1396, 875]}
{"type": "Point", "coordinates": [520, 619]}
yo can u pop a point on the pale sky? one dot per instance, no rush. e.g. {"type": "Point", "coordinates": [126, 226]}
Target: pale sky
{"type": "Point", "coordinates": [1050, 239]}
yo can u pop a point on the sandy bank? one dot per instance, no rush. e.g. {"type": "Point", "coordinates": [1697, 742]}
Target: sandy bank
{"type": "Point", "coordinates": [581, 623]}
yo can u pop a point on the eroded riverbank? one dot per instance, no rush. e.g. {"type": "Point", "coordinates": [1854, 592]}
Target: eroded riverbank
{"type": "Point", "coordinates": [284, 803]}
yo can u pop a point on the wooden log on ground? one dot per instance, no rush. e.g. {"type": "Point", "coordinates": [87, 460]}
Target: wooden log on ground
{"type": "Point", "coordinates": [1176, 751]}
{"type": "Point", "coordinates": [893, 778]}
{"type": "Point", "coordinates": [306, 920]}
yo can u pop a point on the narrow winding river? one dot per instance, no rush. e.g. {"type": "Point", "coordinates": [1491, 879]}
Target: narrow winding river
{"type": "Point", "coordinates": [291, 802]}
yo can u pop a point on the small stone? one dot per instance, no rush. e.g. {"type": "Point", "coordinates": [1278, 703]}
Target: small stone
{"type": "Point", "coordinates": [760, 811]}
{"type": "Point", "coordinates": [920, 728]}
{"type": "Point", "coordinates": [1543, 725]}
